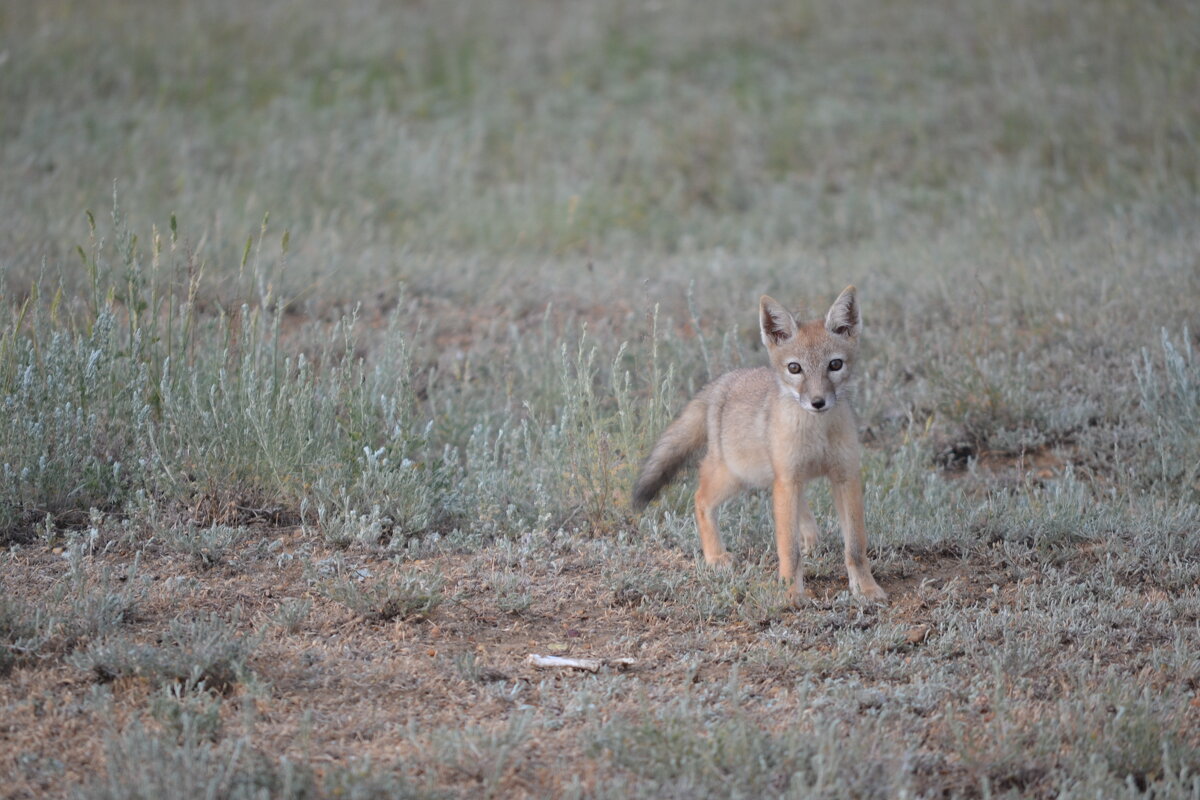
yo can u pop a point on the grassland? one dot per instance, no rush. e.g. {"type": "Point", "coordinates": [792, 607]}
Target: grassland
{"type": "Point", "coordinates": [333, 335]}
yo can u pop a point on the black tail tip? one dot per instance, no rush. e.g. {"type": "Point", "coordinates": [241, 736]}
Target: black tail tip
{"type": "Point", "coordinates": [643, 494]}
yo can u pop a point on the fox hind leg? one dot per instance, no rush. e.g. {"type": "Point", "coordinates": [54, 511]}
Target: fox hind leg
{"type": "Point", "coordinates": [809, 532]}
{"type": "Point", "coordinates": [717, 484]}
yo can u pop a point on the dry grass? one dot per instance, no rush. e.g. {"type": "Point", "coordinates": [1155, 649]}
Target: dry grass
{"type": "Point", "coordinates": [953, 671]}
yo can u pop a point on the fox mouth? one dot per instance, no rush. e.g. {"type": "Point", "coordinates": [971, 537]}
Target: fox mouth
{"type": "Point", "coordinates": [817, 407]}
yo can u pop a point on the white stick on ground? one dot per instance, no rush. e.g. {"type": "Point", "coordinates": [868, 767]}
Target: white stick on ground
{"type": "Point", "coordinates": [586, 664]}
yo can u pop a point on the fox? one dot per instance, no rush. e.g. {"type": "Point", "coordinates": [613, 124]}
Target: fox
{"type": "Point", "coordinates": [781, 426]}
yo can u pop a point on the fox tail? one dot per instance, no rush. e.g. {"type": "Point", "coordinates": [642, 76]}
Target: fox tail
{"type": "Point", "coordinates": [684, 436]}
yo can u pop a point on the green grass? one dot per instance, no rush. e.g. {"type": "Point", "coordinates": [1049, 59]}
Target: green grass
{"type": "Point", "coordinates": [417, 282]}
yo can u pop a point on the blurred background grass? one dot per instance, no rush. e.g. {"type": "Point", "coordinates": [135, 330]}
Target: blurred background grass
{"type": "Point", "coordinates": [413, 141]}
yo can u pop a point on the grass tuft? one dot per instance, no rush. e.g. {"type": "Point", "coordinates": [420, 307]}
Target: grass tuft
{"type": "Point", "coordinates": [404, 596]}
{"type": "Point", "coordinates": [204, 653]}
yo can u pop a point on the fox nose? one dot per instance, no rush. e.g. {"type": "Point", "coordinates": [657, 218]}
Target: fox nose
{"type": "Point", "coordinates": [818, 402]}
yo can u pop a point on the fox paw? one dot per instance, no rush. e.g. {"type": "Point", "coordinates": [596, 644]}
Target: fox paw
{"type": "Point", "coordinates": [872, 591]}
{"type": "Point", "coordinates": [799, 595]}
{"type": "Point", "coordinates": [721, 560]}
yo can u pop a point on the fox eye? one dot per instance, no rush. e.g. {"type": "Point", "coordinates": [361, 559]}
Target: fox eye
{"type": "Point", "coordinates": [835, 365]}
{"type": "Point", "coordinates": [794, 368]}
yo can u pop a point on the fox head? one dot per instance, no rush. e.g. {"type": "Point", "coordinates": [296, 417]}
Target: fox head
{"type": "Point", "coordinates": [812, 361]}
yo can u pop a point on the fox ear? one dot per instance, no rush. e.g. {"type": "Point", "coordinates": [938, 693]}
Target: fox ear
{"type": "Point", "coordinates": [843, 318]}
{"type": "Point", "coordinates": [776, 323]}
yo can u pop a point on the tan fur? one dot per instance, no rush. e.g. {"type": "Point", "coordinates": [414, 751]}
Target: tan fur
{"type": "Point", "coordinates": [772, 427]}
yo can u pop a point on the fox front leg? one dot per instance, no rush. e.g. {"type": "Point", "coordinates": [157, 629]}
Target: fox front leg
{"type": "Point", "coordinates": [787, 502]}
{"type": "Point", "coordinates": [848, 499]}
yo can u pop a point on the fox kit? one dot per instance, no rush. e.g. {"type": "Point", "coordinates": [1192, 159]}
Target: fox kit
{"type": "Point", "coordinates": [778, 426]}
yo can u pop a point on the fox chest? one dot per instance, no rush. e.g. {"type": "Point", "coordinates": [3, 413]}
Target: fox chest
{"type": "Point", "coordinates": [806, 451]}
